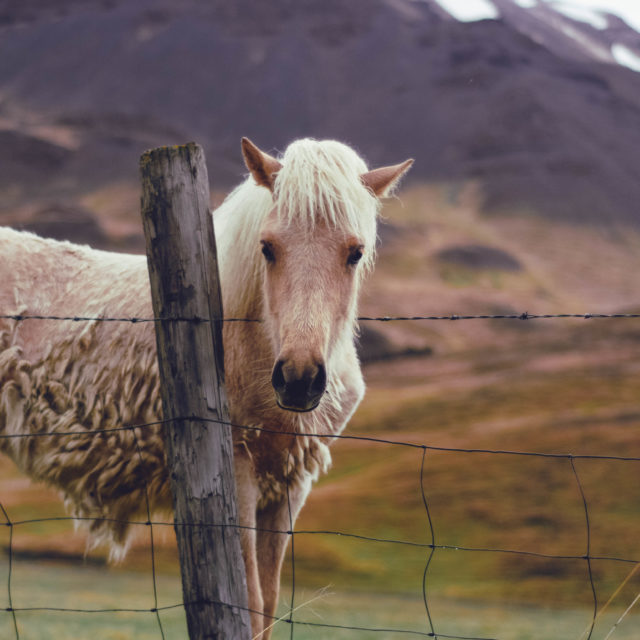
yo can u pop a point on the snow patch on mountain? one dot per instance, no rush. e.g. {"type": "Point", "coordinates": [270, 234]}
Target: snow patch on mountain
{"type": "Point", "coordinates": [470, 10]}
{"type": "Point", "coordinates": [582, 14]}
{"type": "Point", "coordinates": [628, 10]}
{"type": "Point", "coordinates": [580, 29]}
{"type": "Point", "coordinates": [624, 56]}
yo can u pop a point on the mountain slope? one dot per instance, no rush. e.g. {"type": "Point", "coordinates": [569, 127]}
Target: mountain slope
{"type": "Point", "coordinates": [542, 128]}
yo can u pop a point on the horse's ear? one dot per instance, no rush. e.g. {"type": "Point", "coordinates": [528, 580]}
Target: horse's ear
{"type": "Point", "coordinates": [381, 181]}
{"type": "Point", "coordinates": [261, 165]}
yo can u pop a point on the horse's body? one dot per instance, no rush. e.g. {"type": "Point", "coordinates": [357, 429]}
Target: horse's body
{"type": "Point", "coordinates": [315, 215]}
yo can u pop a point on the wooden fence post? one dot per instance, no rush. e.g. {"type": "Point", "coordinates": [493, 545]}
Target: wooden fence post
{"type": "Point", "coordinates": [184, 279]}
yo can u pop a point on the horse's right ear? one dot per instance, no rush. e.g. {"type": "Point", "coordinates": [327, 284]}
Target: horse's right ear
{"type": "Point", "coordinates": [382, 181]}
{"type": "Point", "coordinates": [262, 166]}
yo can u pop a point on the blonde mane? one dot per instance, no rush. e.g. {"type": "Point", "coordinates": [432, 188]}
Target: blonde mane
{"type": "Point", "coordinates": [319, 183]}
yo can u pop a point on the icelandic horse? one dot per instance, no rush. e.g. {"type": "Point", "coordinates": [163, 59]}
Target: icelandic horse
{"type": "Point", "coordinates": [294, 242]}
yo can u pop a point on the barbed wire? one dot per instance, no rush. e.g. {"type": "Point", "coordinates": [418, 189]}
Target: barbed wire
{"type": "Point", "coordinates": [451, 317]}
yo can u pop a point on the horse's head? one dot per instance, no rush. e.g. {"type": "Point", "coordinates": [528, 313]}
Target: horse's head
{"type": "Point", "coordinates": [316, 242]}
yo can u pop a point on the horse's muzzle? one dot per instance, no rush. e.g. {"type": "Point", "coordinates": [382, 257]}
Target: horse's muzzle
{"type": "Point", "coordinates": [295, 392]}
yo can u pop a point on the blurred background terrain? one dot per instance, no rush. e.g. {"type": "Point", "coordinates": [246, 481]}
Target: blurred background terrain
{"type": "Point", "coordinates": [524, 122]}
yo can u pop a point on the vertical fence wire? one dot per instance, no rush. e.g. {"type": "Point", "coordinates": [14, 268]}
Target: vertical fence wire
{"type": "Point", "coordinates": [10, 608]}
{"type": "Point", "coordinates": [293, 553]}
{"type": "Point", "coordinates": [149, 524]}
{"type": "Point", "coordinates": [612, 597]}
{"type": "Point", "coordinates": [587, 555]}
{"type": "Point", "coordinates": [432, 550]}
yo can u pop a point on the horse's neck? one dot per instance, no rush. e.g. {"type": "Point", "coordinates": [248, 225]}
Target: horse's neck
{"type": "Point", "coordinates": [237, 226]}
{"type": "Point", "coordinates": [241, 287]}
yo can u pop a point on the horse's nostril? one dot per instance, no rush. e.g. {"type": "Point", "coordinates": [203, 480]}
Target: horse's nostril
{"type": "Point", "coordinates": [319, 383]}
{"type": "Point", "coordinates": [295, 390]}
{"type": "Point", "coordinates": [277, 377]}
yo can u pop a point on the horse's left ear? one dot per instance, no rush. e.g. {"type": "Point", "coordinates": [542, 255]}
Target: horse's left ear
{"type": "Point", "coordinates": [262, 166]}
{"type": "Point", "coordinates": [381, 181]}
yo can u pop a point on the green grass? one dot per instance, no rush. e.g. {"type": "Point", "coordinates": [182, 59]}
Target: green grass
{"type": "Point", "coordinates": [54, 585]}
{"type": "Point", "coordinates": [44, 585]}
{"type": "Point", "coordinates": [449, 617]}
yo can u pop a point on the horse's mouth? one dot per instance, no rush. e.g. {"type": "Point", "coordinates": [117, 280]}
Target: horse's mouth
{"type": "Point", "coordinates": [297, 409]}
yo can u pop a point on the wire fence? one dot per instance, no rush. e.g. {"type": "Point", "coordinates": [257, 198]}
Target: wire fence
{"type": "Point", "coordinates": [432, 628]}
{"type": "Point", "coordinates": [452, 317]}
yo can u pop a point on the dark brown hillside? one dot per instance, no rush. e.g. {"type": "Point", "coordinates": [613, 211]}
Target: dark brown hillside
{"type": "Point", "coordinates": [544, 129]}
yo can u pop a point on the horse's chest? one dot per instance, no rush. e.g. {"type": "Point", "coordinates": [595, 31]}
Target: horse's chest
{"type": "Point", "coordinates": [284, 463]}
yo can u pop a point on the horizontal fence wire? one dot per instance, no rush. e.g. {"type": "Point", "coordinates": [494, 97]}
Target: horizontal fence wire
{"type": "Point", "coordinates": [431, 547]}
{"type": "Point", "coordinates": [309, 434]}
{"type": "Point", "coordinates": [452, 317]}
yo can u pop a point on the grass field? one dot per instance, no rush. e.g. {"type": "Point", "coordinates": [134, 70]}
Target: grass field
{"type": "Point", "coordinates": [54, 585]}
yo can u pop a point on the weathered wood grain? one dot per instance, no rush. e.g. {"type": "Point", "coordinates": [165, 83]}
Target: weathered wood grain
{"type": "Point", "coordinates": [184, 284]}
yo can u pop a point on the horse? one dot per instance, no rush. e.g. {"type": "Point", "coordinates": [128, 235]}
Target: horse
{"type": "Point", "coordinates": [295, 240]}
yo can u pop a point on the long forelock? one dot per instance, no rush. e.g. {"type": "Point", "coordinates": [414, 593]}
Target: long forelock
{"type": "Point", "coordinates": [319, 183]}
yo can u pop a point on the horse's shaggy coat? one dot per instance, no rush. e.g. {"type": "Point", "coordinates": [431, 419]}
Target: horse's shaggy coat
{"type": "Point", "coordinates": [91, 378]}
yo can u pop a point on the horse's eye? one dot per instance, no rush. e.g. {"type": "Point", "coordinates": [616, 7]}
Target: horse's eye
{"type": "Point", "coordinates": [354, 255]}
{"type": "Point", "coordinates": [267, 252]}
